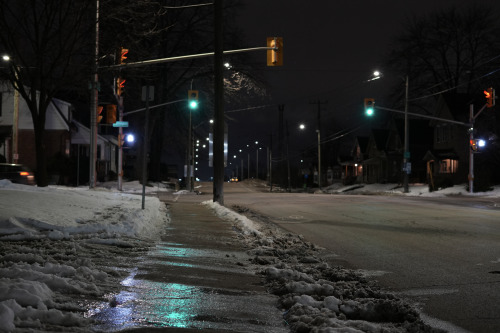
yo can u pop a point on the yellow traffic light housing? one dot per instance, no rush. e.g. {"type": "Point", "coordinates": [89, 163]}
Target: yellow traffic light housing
{"type": "Point", "coordinates": [369, 106]}
{"type": "Point", "coordinates": [99, 114]}
{"type": "Point", "coordinates": [110, 113]}
{"type": "Point", "coordinates": [120, 86]}
{"type": "Point", "coordinates": [490, 97]}
{"type": "Point", "coordinates": [275, 55]}
{"type": "Point", "coordinates": [193, 99]}
{"type": "Point", "coordinates": [123, 55]}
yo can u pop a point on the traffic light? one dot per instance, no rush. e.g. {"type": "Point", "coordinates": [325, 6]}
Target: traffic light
{"type": "Point", "coordinates": [99, 112]}
{"type": "Point", "coordinates": [490, 97]}
{"type": "Point", "coordinates": [275, 55]}
{"type": "Point", "coordinates": [477, 144]}
{"type": "Point", "coordinates": [120, 86]}
{"type": "Point", "coordinates": [193, 99]}
{"type": "Point", "coordinates": [111, 113]}
{"type": "Point", "coordinates": [123, 55]}
{"type": "Point", "coordinates": [369, 106]}
{"type": "Point", "coordinates": [473, 145]}
{"type": "Point", "coordinates": [121, 140]}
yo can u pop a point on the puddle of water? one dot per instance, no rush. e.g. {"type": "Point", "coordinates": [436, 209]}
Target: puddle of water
{"type": "Point", "coordinates": [147, 303]}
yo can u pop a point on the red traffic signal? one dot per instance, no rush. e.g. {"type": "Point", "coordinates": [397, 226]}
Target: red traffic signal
{"type": "Point", "coordinates": [473, 145]}
{"type": "Point", "coordinates": [490, 97]}
{"type": "Point", "coordinates": [123, 55]}
{"type": "Point", "coordinates": [120, 86]}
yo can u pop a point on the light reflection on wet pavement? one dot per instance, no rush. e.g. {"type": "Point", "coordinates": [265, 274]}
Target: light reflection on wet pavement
{"type": "Point", "coordinates": [190, 288]}
{"type": "Point", "coordinates": [159, 304]}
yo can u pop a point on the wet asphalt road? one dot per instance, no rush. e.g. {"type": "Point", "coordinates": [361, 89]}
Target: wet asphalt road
{"type": "Point", "coordinates": [443, 253]}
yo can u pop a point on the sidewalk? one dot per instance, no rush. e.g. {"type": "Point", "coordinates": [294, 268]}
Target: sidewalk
{"type": "Point", "coordinates": [199, 277]}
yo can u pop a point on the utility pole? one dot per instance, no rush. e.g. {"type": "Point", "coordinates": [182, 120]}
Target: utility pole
{"type": "Point", "coordinates": [406, 155]}
{"type": "Point", "coordinates": [281, 150]}
{"type": "Point", "coordinates": [93, 105]}
{"type": "Point", "coordinates": [218, 190]}
{"type": "Point", "coordinates": [318, 130]}
{"type": "Point", "coordinates": [289, 184]}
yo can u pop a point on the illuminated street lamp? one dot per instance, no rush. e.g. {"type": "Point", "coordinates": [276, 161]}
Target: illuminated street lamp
{"type": "Point", "coordinates": [15, 119]}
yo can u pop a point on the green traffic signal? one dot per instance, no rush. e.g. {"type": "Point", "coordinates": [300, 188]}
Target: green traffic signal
{"type": "Point", "coordinates": [193, 104]}
{"type": "Point", "coordinates": [369, 106]}
{"type": "Point", "coordinates": [193, 99]}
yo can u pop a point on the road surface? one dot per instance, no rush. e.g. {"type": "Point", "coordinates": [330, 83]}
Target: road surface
{"type": "Point", "coordinates": [443, 253]}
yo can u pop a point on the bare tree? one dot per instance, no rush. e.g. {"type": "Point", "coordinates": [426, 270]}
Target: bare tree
{"type": "Point", "coordinates": [448, 50]}
{"type": "Point", "coordinates": [168, 31]}
{"type": "Point", "coordinates": [46, 41]}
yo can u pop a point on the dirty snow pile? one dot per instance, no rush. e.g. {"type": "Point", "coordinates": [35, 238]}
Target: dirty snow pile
{"type": "Point", "coordinates": [55, 247]}
{"type": "Point", "coordinates": [314, 296]}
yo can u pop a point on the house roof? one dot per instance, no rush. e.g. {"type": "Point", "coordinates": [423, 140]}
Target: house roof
{"type": "Point", "coordinates": [81, 135]}
{"type": "Point", "coordinates": [453, 106]}
{"type": "Point", "coordinates": [362, 142]}
{"type": "Point", "coordinates": [381, 137]}
{"type": "Point", "coordinates": [441, 154]}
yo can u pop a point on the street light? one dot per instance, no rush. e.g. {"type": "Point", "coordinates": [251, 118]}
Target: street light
{"type": "Point", "coordinates": [15, 115]}
{"type": "Point", "coordinates": [302, 127]}
{"type": "Point", "coordinates": [406, 154]}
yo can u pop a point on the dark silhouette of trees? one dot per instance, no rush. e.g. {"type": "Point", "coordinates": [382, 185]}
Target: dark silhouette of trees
{"type": "Point", "coordinates": [45, 41]}
{"type": "Point", "coordinates": [452, 50]}
{"type": "Point", "coordinates": [51, 44]}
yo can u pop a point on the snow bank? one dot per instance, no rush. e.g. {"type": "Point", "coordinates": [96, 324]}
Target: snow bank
{"type": "Point", "coordinates": [29, 212]}
{"type": "Point", "coordinates": [414, 190]}
{"type": "Point", "coordinates": [59, 246]}
{"type": "Point", "coordinates": [314, 296]}
{"type": "Point", "coordinates": [246, 225]}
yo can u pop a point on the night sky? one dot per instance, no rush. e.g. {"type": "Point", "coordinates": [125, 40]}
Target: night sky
{"type": "Point", "coordinates": [330, 50]}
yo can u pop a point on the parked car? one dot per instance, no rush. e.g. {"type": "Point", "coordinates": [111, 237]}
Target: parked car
{"type": "Point", "coordinates": [17, 173]}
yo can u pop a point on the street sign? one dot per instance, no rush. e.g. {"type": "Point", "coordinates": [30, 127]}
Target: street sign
{"type": "Point", "coordinates": [121, 124]}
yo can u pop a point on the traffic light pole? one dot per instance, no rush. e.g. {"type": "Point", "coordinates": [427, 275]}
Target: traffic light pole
{"type": "Point", "coordinates": [218, 158]}
{"type": "Point", "coordinates": [470, 124]}
{"type": "Point", "coordinates": [93, 107]}
{"type": "Point", "coordinates": [120, 144]}
{"type": "Point", "coordinates": [471, 153]}
{"type": "Point", "coordinates": [219, 91]}
{"type": "Point", "coordinates": [186, 57]}
{"type": "Point", "coordinates": [406, 155]}
{"type": "Point", "coordinates": [423, 116]}
{"type": "Point", "coordinates": [472, 118]}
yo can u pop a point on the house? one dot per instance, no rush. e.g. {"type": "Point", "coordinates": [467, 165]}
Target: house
{"type": "Point", "coordinates": [351, 166]}
{"type": "Point", "coordinates": [384, 154]}
{"type": "Point", "coordinates": [421, 138]}
{"type": "Point", "coordinates": [448, 159]}
{"type": "Point", "coordinates": [66, 141]}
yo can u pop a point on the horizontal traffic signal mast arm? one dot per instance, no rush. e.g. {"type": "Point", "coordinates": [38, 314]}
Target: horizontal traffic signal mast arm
{"type": "Point", "coordinates": [186, 57]}
{"type": "Point", "coordinates": [424, 116]}
{"type": "Point", "coordinates": [155, 106]}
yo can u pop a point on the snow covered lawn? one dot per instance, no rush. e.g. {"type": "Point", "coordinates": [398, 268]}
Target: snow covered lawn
{"type": "Point", "coordinates": [55, 250]}
{"type": "Point", "coordinates": [64, 252]}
